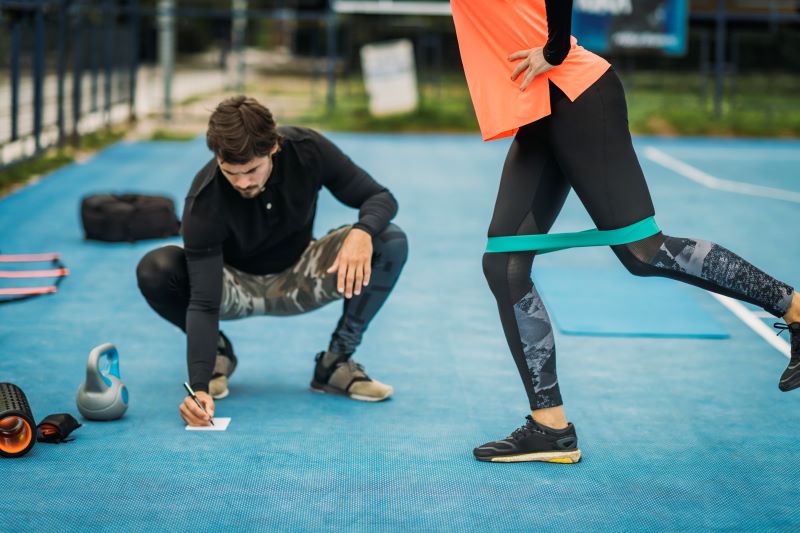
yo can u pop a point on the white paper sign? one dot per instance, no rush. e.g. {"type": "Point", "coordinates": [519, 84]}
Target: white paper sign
{"type": "Point", "coordinates": [390, 77]}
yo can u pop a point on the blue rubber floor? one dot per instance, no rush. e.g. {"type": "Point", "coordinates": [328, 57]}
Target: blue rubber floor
{"type": "Point", "coordinates": [611, 302]}
{"type": "Point", "coordinates": [677, 434]}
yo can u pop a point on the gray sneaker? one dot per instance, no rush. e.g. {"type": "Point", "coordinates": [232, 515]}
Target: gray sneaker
{"type": "Point", "coordinates": [224, 366]}
{"type": "Point", "coordinates": [338, 374]}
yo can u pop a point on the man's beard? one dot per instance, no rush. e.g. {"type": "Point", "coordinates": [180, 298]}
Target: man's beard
{"type": "Point", "coordinates": [250, 193]}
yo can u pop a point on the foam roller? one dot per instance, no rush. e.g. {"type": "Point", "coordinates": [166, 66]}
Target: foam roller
{"type": "Point", "coordinates": [17, 425]}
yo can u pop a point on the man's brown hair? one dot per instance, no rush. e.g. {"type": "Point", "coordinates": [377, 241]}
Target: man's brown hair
{"type": "Point", "coordinates": [240, 129]}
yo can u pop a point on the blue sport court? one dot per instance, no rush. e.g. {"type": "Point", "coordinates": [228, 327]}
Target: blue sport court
{"type": "Point", "coordinates": [674, 396]}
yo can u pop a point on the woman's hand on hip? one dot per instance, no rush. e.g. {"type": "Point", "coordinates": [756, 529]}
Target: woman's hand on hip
{"type": "Point", "coordinates": [533, 63]}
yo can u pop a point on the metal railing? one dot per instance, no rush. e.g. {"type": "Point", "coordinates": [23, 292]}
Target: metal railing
{"type": "Point", "coordinates": [71, 66]}
{"type": "Point", "coordinates": [66, 67]}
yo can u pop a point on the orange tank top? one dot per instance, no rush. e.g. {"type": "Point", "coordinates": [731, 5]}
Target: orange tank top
{"type": "Point", "coordinates": [488, 32]}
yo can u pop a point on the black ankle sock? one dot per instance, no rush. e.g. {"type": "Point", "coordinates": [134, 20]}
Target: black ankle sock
{"type": "Point", "coordinates": [330, 358]}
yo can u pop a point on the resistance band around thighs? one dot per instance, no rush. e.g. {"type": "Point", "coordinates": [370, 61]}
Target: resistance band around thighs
{"type": "Point", "coordinates": [552, 242]}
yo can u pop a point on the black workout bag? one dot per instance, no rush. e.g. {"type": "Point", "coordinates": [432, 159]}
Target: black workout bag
{"type": "Point", "coordinates": [128, 217]}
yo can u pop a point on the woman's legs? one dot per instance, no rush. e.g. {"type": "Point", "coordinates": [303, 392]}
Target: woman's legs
{"type": "Point", "coordinates": [531, 194]}
{"type": "Point", "coordinates": [586, 144]}
{"type": "Point", "coordinates": [592, 144]}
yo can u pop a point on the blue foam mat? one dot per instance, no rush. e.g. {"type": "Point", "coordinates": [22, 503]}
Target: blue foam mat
{"type": "Point", "coordinates": [677, 434]}
{"type": "Point", "coordinates": [612, 302]}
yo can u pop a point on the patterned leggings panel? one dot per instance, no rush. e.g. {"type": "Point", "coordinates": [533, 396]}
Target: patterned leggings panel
{"type": "Point", "coordinates": [715, 268]}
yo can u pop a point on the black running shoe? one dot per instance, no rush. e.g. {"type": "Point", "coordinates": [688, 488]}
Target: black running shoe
{"type": "Point", "coordinates": [533, 442]}
{"type": "Point", "coordinates": [790, 379]}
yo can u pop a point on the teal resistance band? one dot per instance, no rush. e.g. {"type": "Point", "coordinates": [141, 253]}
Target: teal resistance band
{"type": "Point", "coordinates": [553, 242]}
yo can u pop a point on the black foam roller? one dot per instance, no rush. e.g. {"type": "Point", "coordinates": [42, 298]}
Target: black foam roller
{"type": "Point", "coordinates": [17, 425]}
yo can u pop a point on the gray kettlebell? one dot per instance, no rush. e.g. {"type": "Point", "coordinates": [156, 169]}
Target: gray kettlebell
{"type": "Point", "coordinates": [103, 396]}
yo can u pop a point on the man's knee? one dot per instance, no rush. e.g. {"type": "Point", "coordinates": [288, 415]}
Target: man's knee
{"type": "Point", "coordinates": [391, 244]}
{"type": "Point", "coordinates": [158, 268]}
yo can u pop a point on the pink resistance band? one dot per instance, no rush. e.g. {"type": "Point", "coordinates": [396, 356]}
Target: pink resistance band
{"type": "Point", "coordinates": [21, 293]}
{"type": "Point", "coordinates": [28, 258]}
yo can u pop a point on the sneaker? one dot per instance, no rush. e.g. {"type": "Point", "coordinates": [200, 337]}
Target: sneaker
{"type": "Point", "coordinates": [224, 366]}
{"type": "Point", "coordinates": [533, 442]}
{"type": "Point", "coordinates": [790, 379]}
{"type": "Point", "coordinates": [341, 375]}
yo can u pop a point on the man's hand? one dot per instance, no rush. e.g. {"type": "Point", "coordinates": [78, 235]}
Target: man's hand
{"type": "Point", "coordinates": [533, 63]}
{"type": "Point", "coordinates": [195, 416]}
{"type": "Point", "coordinates": [354, 263]}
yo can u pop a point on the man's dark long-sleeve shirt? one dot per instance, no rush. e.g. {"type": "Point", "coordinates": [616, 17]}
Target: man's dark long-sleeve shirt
{"type": "Point", "coordinates": [266, 234]}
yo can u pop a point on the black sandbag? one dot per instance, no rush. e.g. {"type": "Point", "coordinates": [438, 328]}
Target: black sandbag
{"type": "Point", "coordinates": [128, 217]}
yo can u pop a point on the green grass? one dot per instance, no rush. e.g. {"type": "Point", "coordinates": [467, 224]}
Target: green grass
{"type": "Point", "coordinates": [31, 168]}
{"type": "Point", "coordinates": [100, 139]}
{"type": "Point", "coordinates": [191, 100]}
{"type": "Point", "coordinates": [445, 107]}
{"type": "Point", "coordinates": [168, 135]}
{"type": "Point", "coordinates": [658, 103]}
{"type": "Point", "coordinates": [55, 158]}
{"type": "Point", "coordinates": [681, 104]}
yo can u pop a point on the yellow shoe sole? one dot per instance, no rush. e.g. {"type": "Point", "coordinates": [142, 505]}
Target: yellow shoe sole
{"type": "Point", "coordinates": [570, 457]}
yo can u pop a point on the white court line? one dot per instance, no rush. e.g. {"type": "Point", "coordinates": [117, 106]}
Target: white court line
{"type": "Point", "coordinates": [707, 180]}
{"type": "Point", "coordinates": [755, 323]}
{"type": "Point", "coordinates": [750, 318]}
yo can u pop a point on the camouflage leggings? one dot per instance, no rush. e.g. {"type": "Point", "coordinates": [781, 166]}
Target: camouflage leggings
{"type": "Point", "coordinates": [303, 287]}
{"type": "Point", "coordinates": [307, 286]}
{"type": "Point", "coordinates": [164, 281]}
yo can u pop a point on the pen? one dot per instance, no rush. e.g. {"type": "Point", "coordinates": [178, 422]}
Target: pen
{"type": "Point", "coordinates": [194, 397]}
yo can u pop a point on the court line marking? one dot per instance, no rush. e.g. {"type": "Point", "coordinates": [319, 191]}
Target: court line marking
{"type": "Point", "coordinates": [686, 170]}
{"type": "Point", "coordinates": [707, 180]}
{"type": "Point", "coordinates": [755, 323]}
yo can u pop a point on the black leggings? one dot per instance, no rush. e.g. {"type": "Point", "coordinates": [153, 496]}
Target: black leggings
{"type": "Point", "coordinates": [586, 145]}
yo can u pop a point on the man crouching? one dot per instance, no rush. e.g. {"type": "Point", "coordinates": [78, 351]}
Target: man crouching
{"type": "Point", "coordinates": [249, 251]}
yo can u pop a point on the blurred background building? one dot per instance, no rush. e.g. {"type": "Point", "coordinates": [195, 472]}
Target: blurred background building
{"type": "Point", "coordinates": [69, 68]}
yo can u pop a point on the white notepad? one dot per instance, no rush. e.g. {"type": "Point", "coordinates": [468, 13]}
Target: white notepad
{"type": "Point", "coordinates": [220, 424]}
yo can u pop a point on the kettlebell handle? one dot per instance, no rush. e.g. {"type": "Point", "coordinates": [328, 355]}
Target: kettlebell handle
{"type": "Point", "coordinates": [110, 351]}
